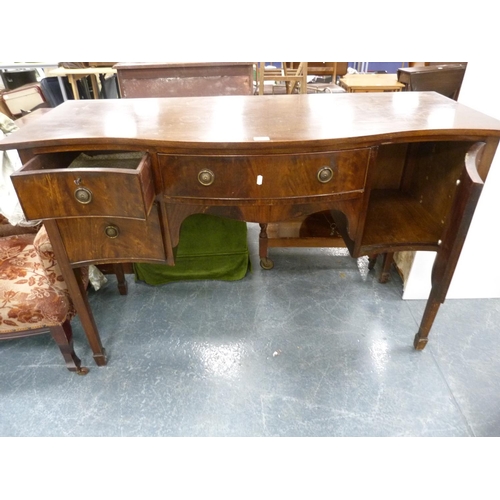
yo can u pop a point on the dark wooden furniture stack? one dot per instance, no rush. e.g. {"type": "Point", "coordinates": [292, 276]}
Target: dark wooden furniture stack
{"type": "Point", "coordinates": [390, 180]}
{"type": "Point", "coordinates": [446, 79]}
{"type": "Point", "coordinates": [184, 79]}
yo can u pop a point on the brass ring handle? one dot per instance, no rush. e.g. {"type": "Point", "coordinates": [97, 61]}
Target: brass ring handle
{"type": "Point", "coordinates": [83, 195]}
{"type": "Point", "coordinates": [112, 231]}
{"type": "Point", "coordinates": [206, 177]}
{"type": "Point", "coordinates": [325, 174]}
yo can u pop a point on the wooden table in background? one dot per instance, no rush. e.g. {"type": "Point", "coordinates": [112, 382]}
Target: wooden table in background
{"type": "Point", "coordinates": [75, 74]}
{"type": "Point", "coordinates": [367, 82]}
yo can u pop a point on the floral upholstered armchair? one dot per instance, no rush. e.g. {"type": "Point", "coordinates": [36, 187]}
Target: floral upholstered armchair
{"type": "Point", "coordinates": [34, 298]}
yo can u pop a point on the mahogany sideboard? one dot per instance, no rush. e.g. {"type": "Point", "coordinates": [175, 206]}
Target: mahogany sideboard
{"type": "Point", "coordinates": [114, 179]}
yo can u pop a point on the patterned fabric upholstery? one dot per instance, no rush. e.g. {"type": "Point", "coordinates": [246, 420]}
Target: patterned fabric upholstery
{"type": "Point", "coordinates": [32, 291]}
{"type": "Point", "coordinates": [6, 229]}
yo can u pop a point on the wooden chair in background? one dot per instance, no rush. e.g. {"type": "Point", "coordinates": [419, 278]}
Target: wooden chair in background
{"type": "Point", "coordinates": [292, 77]}
{"type": "Point", "coordinates": [295, 77]}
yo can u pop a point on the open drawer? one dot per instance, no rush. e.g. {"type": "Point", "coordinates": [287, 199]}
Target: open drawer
{"type": "Point", "coordinates": [76, 184]}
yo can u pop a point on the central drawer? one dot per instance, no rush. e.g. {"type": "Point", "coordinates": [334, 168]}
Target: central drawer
{"type": "Point", "coordinates": [264, 176]}
{"type": "Point", "coordinates": [76, 184]}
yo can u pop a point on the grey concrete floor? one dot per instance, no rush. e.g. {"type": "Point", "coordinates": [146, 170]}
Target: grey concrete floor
{"type": "Point", "coordinates": [314, 347]}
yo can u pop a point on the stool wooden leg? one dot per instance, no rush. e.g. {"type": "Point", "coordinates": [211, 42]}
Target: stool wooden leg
{"type": "Point", "coordinates": [63, 336]}
{"type": "Point", "coordinates": [120, 277]}
{"type": "Point", "coordinates": [265, 262]}
{"type": "Point", "coordinates": [386, 267]}
{"type": "Point", "coordinates": [372, 260]}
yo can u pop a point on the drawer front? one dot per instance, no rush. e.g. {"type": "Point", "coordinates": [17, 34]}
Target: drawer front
{"type": "Point", "coordinates": [47, 192]}
{"type": "Point", "coordinates": [107, 239]}
{"type": "Point", "coordinates": [262, 177]}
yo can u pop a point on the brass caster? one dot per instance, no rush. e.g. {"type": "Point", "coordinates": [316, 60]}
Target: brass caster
{"type": "Point", "coordinates": [266, 263]}
{"type": "Point", "coordinates": [82, 371]}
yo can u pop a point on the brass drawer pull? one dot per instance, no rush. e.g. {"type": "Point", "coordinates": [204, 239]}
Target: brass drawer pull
{"type": "Point", "coordinates": [206, 177]}
{"type": "Point", "coordinates": [112, 231]}
{"type": "Point", "coordinates": [83, 195]}
{"type": "Point", "coordinates": [325, 174]}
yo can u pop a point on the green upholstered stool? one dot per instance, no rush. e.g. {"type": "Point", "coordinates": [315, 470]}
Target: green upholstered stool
{"type": "Point", "coordinates": [210, 248]}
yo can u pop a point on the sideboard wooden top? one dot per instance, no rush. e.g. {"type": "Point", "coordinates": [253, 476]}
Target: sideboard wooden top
{"type": "Point", "coordinates": [254, 122]}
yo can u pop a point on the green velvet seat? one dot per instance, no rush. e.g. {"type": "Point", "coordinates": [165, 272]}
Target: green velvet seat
{"type": "Point", "coordinates": [210, 248]}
